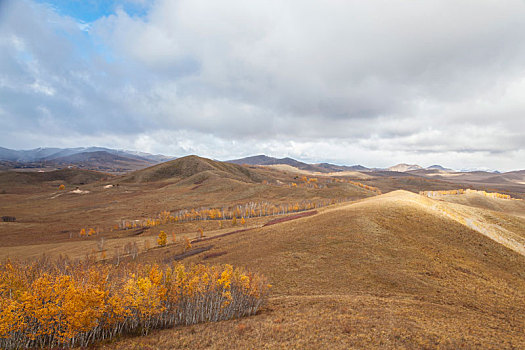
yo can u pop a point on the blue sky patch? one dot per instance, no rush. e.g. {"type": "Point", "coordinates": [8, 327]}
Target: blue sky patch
{"type": "Point", "coordinates": [90, 10]}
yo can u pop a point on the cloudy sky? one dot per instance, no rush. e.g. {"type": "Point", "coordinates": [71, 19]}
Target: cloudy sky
{"type": "Point", "coordinates": [373, 82]}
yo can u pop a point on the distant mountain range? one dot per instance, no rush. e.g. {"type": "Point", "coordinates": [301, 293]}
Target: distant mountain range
{"type": "Point", "coordinates": [144, 167]}
{"type": "Point", "coordinates": [40, 154]}
{"type": "Point", "coordinates": [94, 158]}
{"type": "Point", "coordinates": [330, 168]}
{"type": "Point", "coordinates": [113, 160]}
{"type": "Point", "coordinates": [414, 167]}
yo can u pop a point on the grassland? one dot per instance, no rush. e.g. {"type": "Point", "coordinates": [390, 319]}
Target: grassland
{"type": "Point", "coordinates": [385, 272]}
{"type": "Point", "coordinates": [376, 271]}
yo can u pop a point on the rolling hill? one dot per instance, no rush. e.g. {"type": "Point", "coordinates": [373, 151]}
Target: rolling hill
{"type": "Point", "coordinates": [321, 167]}
{"type": "Point", "coordinates": [360, 270]}
{"type": "Point", "coordinates": [66, 176]}
{"type": "Point", "coordinates": [335, 168]}
{"type": "Point", "coordinates": [515, 207]}
{"type": "Point", "coordinates": [183, 184]}
{"type": "Point", "coordinates": [103, 161]}
{"type": "Point", "coordinates": [404, 167]}
{"type": "Point", "coordinates": [390, 272]}
{"type": "Point", "coordinates": [190, 166]}
{"type": "Point", "coordinates": [265, 160]}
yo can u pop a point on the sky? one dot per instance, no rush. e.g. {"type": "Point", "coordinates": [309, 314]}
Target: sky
{"type": "Point", "coordinates": [375, 82]}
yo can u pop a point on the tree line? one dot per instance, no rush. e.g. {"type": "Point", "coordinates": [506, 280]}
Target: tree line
{"type": "Point", "coordinates": [68, 304]}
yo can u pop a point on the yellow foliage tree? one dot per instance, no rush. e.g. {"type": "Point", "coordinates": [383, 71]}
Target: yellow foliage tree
{"type": "Point", "coordinates": [187, 244]}
{"type": "Point", "coordinates": [162, 239]}
{"type": "Point", "coordinates": [45, 306]}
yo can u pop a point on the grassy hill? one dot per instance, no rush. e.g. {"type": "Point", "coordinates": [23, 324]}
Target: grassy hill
{"type": "Point", "coordinates": [183, 184]}
{"type": "Point", "coordinates": [67, 176]}
{"type": "Point", "coordinates": [384, 272]}
{"type": "Point", "coordinates": [516, 207]}
{"type": "Point", "coordinates": [397, 270]}
{"type": "Point", "coordinates": [102, 160]}
{"type": "Point", "coordinates": [314, 168]}
{"type": "Point", "coordinates": [189, 166]}
{"type": "Point", "coordinates": [265, 160]}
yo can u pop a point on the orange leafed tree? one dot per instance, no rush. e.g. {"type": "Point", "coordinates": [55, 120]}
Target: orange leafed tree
{"type": "Point", "coordinates": [187, 244]}
{"type": "Point", "coordinates": [162, 239]}
{"type": "Point", "coordinates": [44, 305]}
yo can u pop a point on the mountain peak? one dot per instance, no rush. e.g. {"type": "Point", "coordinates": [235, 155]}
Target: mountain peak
{"type": "Point", "coordinates": [405, 167]}
{"type": "Point", "coordinates": [438, 167]}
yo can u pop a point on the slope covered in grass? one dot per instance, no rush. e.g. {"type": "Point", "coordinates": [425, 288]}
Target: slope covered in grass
{"type": "Point", "coordinates": [384, 272]}
{"type": "Point", "coordinates": [68, 176]}
{"type": "Point", "coordinates": [186, 167]}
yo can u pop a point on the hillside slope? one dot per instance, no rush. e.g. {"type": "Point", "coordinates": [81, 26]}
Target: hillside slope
{"type": "Point", "coordinates": [265, 160]}
{"type": "Point", "coordinates": [103, 160]}
{"type": "Point", "coordinates": [514, 207]}
{"type": "Point", "coordinates": [314, 168]}
{"type": "Point", "coordinates": [186, 167]}
{"type": "Point", "coordinates": [404, 167]}
{"type": "Point", "coordinates": [385, 272]}
{"type": "Point", "coordinates": [67, 176]}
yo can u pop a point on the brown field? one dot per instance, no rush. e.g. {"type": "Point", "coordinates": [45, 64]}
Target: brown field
{"type": "Point", "coordinates": [46, 215]}
{"type": "Point", "coordinates": [397, 270]}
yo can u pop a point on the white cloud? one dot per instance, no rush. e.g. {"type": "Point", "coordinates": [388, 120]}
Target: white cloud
{"type": "Point", "coordinates": [371, 82]}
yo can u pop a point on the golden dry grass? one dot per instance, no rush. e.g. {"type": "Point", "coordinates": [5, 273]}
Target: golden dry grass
{"type": "Point", "coordinates": [385, 272]}
{"type": "Point", "coordinates": [49, 220]}
{"type": "Point", "coordinates": [390, 271]}
{"type": "Point", "coordinates": [514, 207]}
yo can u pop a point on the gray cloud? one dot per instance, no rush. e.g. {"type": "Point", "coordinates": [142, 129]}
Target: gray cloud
{"type": "Point", "coordinates": [374, 82]}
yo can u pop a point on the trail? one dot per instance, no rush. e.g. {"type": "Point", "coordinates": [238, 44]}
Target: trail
{"type": "Point", "coordinates": [463, 214]}
{"type": "Point", "coordinates": [467, 217]}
